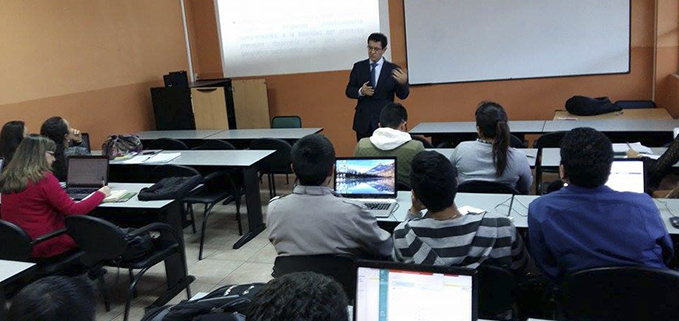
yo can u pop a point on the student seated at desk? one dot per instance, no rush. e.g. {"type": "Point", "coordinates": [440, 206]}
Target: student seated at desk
{"type": "Point", "coordinates": [489, 158]}
{"type": "Point", "coordinates": [587, 224]}
{"type": "Point", "coordinates": [54, 298]}
{"type": "Point", "coordinates": [12, 134]}
{"type": "Point", "coordinates": [33, 199]}
{"type": "Point", "coordinates": [316, 220]}
{"type": "Point", "coordinates": [444, 236]}
{"type": "Point", "coordinates": [60, 131]}
{"type": "Point", "coordinates": [392, 139]}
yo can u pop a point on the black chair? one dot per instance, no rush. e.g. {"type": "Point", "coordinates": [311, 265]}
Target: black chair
{"type": "Point", "coordinates": [549, 140]}
{"type": "Point", "coordinates": [104, 243]}
{"type": "Point", "coordinates": [216, 144]}
{"type": "Point", "coordinates": [424, 142]}
{"type": "Point", "coordinates": [635, 104]}
{"type": "Point", "coordinates": [516, 142]}
{"type": "Point", "coordinates": [21, 249]}
{"type": "Point", "coordinates": [446, 144]}
{"type": "Point", "coordinates": [286, 122]}
{"type": "Point", "coordinates": [169, 170]}
{"type": "Point", "coordinates": [165, 144]}
{"type": "Point", "coordinates": [486, 187]}
{"type": "Point", "coordinates": [278, 163]}
{"type": "Point", "coordinates": [338, 266]}
{"type": "Point", "coordinates": [497, 288]}
{"type": "Point", "coordinates": [85, 143]}
{"type": "Point", "coordinates": [621, 293]}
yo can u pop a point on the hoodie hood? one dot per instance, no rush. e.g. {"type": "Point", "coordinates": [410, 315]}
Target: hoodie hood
{"type": "Point", "coordinates": [388, 138]}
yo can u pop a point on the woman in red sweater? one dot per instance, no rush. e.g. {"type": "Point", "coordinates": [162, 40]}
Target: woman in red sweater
{"type": "Point", "coordinates": [33, 199]}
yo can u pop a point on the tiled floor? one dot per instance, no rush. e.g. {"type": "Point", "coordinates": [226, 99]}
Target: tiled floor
{"type": "Point", "coordinates": [221, 264]}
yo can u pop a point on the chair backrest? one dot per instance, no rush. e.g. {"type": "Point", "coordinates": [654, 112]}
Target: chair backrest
{"type": "Point", "coordinates": [622, 293]}
{"type": "Point", "coordinates": [486, 187]}
{"type": "Point", "coordinates": [170, 170]}
{"type": "Point", "coordinates": [446, 144]}
{"type": "Point", "coordinates": [497, 287]}
{"type": "Point", "coordinates": [280, 160]}
{"type": "Point", "coordinates": [166, 144]}
{"type": "Point", "coordinates": [550, 140]}
{"type": "Point", "coordinates": [424, 142]}
{"type": "Point", "coordinates": [216, 144]}
{"type": "Point", "coordinates": [340, 267]}
{"type": "Point", "coordinates": [100, 239]}
{"type": "Point", "coordinates": [517, 142]}
{"type": "Point", "coordinates": [286, 122]}
{"type": "Point", "coordinates": [18, 245]}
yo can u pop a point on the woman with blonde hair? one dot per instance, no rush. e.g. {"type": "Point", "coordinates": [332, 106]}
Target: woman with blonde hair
{"type": "Point", "coordinates": [33, 199]}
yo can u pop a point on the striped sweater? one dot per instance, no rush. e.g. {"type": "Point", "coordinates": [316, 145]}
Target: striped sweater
{"type": "Point", "coordinates": [467, 241]}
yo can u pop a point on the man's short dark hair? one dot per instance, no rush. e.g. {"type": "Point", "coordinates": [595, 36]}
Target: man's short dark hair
{"type": "Point", "coordinates": [54, 298]}
{"type": "Point", "coordinates": [299, 296]}
{"type": "Point", "coordinates": [434, 180]}
{"type": "Point", "coordinates": [586, 156]}
{"type": "Point", "coordinates": [378, 37]}
{"type": "Point", "coordinates": [393, 115]}
{"type": "Point", "coordinates": [312, 159]}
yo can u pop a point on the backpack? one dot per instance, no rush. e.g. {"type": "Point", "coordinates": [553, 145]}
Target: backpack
{"type": "Point", "coordinates": [121, 145]}
{"type": "Point", "coordinates": [586, 106]}
{"type": "Point", "coordinates": [170, 188]}
{"type": "Point", "coordinates": [225, 303]}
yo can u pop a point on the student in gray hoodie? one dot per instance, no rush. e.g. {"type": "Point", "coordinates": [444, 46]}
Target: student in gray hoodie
{"type": "Point", "coordinates": [446, 237]}
{"type": "Point", "coordinates": [392, 140]}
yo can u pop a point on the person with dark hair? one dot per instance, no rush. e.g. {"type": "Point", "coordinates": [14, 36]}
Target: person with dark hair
{"type": "Point", "coordinates": [60, 131]}
{"type": "Point", "coordinates": [444, 236]}
{"type": "Point", "coordinates": [316, 220]}
{"type": "Point", "coordinates": [54, 298]}
{"type": "Point", "coordinates": [33, 199]}
{"type": "Point", "coordinates": [490, 158]}
{"type": "Point", "coordinates": [301, 296]}
{"type": "Point", "coordinates": [374, 82]}
{"type": "Point", "coordinates": [586, 224]}
{"type": "Point", "coordinates": [392, 140]}
{"type": "Point", "coordinates": [12, 134]}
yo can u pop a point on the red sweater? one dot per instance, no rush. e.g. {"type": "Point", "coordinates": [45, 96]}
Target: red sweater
{"type": "Point", "coordinates": [41, 209]}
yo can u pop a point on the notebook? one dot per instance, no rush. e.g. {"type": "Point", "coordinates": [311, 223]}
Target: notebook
{"type": "Point", "coordinates": [627, 175]}
{"type": "Point", "coordinates": [369, 180]}
{"type": "Point", "coordinates": [85, 175]}
{"type": "Point", "coordinates": [396, 291]}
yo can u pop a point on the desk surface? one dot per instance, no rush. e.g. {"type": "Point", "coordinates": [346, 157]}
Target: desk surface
{"type": "Point", "coordinates": [134, 202]}
{"type": "Point", "coordinates": [177, 134]}
{"type": "Point", "coordinates": [251, 134]}
{"type": "Point", "coordinates": [10, 269]}
{"type": "Point", "coordinates": [551, 157]}
{"type": "Point", "coordinates": [469, 127]}
{"type": "Point", "coordinates": [641, 113]}
{"type": "Point", "coordinates": [614, 125]}
{"type": "Point", "coordinates": [226, 158]}
{"type": "Point", "coordinates": [531, 153]}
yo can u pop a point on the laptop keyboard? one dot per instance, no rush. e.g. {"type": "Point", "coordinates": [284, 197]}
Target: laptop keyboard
{"type": "Point", "coordinates": [81, 190]}
{"type": "Point", "coordinates": [377, 206]}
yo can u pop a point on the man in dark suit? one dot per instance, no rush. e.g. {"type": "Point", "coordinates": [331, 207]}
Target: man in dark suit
{"type": "Point", "coordinates": [374, 82]}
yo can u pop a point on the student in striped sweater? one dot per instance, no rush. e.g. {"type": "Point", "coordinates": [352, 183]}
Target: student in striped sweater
{"type": "Point", "coordinates": [444, 236]}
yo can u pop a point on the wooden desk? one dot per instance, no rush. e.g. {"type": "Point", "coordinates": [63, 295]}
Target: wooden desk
{"type": "Point", "coordinates": [641, 113]}
{"type": "Point", "coordinates": [531, 153]}
{"type": "Point", "coordinates": [466, 130]}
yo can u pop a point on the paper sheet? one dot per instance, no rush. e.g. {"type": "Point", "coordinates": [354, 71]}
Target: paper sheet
{"type": "Point", "coordinates": [624, 147]}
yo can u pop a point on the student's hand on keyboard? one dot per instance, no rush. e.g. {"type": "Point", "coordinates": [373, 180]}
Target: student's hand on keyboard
{"type": "Point", "coordinates": [106, 190]}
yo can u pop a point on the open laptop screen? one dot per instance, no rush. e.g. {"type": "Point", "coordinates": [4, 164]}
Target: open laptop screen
{"type": "Point", "coordinates": [627, 175]}
{"type": "Point", "coordinates": [87, 171]}
{"type": "Point", "coordinates": [365, 177]}
{"type": "Point", "coordinates": [414, 292]}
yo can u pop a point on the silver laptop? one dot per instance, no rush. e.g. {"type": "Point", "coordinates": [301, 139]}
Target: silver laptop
{"type": "Point", "coordinates": [86, 174]}
{"type": "Point", "coordinates": [396, 291]}
{"type": "Point", "coordinates": [369, 180]}
{"type": "Point", "coordinates": [627, 175]}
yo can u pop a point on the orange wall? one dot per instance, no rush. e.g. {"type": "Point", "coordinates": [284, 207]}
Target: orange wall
{"type": "Point", "coordinates": [91, 62]}
{"type": "Point", "coordinates": [667, 61]}
{"type": "Point", "coordinates": [319, 97]}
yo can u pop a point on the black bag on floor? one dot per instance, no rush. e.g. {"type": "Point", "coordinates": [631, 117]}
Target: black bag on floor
{"type": "Point", "coordinates": [170, 188]}
{"type": "Point", "coordinates": [226, 303]}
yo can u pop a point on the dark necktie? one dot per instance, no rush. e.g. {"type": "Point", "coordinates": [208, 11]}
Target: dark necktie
{"type": "Point", "coordinates": [373, 74]}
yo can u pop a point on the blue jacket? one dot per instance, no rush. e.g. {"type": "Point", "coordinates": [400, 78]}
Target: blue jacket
{"type": "Point", "coordinates": [579, 228]}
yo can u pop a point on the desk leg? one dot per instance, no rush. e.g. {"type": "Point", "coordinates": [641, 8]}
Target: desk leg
{"type": "Point", "coordinates": [3, 305]}
{"type": "Point", "coordinates": [254, 205]}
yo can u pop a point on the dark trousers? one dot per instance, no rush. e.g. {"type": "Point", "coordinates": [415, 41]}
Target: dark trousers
{"type": "Point", "coordinates": [369, 133]}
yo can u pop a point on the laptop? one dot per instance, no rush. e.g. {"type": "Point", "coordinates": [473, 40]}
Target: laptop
{"type": "Point", "coordinates": [85, 175]}
{"type": "Point", "coordinates": [369, 180]}
{"type": "Point", "coordinates": [627, 175]}
{"type": "Point", "coordinates": [396, 291]}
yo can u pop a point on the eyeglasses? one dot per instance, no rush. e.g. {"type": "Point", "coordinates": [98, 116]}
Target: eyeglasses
{"type": "Point", "coordinates": [374, 49]}
{"type": "Point", "coordinates": [50, 152]}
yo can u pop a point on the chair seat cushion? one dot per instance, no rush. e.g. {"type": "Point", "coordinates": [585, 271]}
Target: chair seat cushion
{"type": "Point", "coordinates": [69, 264]}
{"type": "Point", "coordinates": [209, 197]}
{"type": "Point", "coordinates": [161, 250]}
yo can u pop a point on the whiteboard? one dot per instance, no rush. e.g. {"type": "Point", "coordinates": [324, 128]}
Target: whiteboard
{"type": "Point", "coordinates": [272, 37]}
{"type": "Point", "coordinates": [476, 40]}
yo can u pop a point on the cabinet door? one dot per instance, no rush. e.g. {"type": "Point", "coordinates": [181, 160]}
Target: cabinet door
{"type": "Point", "coordinates": [209, 108]}
{"type": "Point", "coordinates": [251, 103]}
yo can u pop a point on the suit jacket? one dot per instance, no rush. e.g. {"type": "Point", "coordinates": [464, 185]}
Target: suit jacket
{"type": "Point", "coordinates": [368, 109]}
